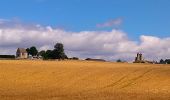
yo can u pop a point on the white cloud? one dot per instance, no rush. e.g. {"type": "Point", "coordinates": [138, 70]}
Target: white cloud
{"type": "Point", "coordinates": [110, 45]}
{"type": "Point", "coordinates": [155, 46]}
{"type": "Point", "coordinates": [110, 23]}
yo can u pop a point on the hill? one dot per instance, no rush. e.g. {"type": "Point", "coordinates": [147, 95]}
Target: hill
{"type": "Point", "coordinates": [83, 80]}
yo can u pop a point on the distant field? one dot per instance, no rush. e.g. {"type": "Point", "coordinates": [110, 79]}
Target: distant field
{"type": "Point", "coordinates": [81, 80]}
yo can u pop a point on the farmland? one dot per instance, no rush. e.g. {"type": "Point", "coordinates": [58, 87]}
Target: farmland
{"type": "Point", "coordinates": [83, 80]}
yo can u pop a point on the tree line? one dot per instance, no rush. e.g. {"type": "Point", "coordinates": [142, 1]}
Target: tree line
{"type": "Point", "coordinates": [167, 61]}
{"type": "Point", "coordinates": [56, 53]}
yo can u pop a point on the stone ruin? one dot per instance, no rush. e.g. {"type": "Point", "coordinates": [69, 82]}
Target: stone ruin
{"type": "Point", "coordinates": [139, 58]}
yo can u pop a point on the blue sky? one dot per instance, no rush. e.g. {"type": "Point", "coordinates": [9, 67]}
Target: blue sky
{"type": "Point", "coordinates": [149, 17]}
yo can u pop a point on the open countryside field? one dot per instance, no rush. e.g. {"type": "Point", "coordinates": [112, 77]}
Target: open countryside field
{"type": "Point", "coordinates": [82, 80]}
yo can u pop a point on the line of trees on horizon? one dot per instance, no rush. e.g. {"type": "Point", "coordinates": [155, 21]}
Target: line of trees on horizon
{"type": "Point", "coordinates": [59, 53]}
{"type": "Point", "coordinates": [167, 61]}
{"type": "Point", "coordinates": [56, 53]}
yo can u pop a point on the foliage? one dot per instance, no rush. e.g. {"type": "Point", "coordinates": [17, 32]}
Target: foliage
{"type": "Point", "coordinates": [58, 52]}
{"type": "Point", "coordinates": [167, 61]}
{"type": "Point", "coordinates": [28, 51]}
{"type": "Point", "coordinates": [75, 58]}
{"type": "Point", "coordinates": [119, 60]}
{"type": "Point", "coordinates": [7, 56]}
{"type": "Point", "coordinates": [90, 59]}
{"type": "Point", "coordinates": [33, 51]}
{"type": "Point", "coordinates": [162, 61]}
{"type": "Point", "coordinates": [41, 53]}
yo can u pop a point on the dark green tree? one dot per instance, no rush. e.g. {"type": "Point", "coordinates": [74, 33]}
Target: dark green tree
{"type": "Point", "coordinates": [119, 60]}
{"type": "Point", "coordinates": [162, 61]}
{"type": "Point", "coordinates": [28, 51]}
{"type": "Point", "coordinates": [41, 53]}
{"type": "Point", "coordinates": [48, 54]}
{"type": "Point", "coordinates": [167, 61]}
{"type": "Point", "coordinates": [58, 52]}
{"type": "Point", "coordinates": [33, 51]}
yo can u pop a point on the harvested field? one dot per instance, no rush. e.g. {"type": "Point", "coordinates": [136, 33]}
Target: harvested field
{"type": "Point", "coordinates": [83, 80]}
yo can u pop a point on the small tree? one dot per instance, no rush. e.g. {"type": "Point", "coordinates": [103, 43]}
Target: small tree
{"type": "Point", "coordinates": [48, 54]}
{"type": "Point", "coordinates": [162, 61]}
{"type": "Point", "coordinates": [58, 52]}
{"type": "Point", "coordinates": [28, 51]}
{"type": "Point", "coordinates": [119, 60]}
{"type": "Point", "coordinates": [33, 51]}
{"type": "Point", "coordinates": [42, 53]}
{"type": "Point", "coordinates": [167, 61]}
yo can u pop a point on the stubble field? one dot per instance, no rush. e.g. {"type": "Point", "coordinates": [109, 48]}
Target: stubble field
{"type": "Point", "coordinates": [82, 80]}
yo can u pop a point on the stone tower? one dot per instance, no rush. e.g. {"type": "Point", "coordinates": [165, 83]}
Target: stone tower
{"type": "Point", "coordinates": [139, 58]}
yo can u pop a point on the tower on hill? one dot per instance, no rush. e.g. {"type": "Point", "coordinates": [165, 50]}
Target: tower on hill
{"type": "Point", "coordinates": [139, 58]}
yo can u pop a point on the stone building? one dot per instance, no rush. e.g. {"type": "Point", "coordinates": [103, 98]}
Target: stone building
{"type": "Point", "coordinates": [21, 53]}
{"type": "Point", "coordinates": [139, 58]}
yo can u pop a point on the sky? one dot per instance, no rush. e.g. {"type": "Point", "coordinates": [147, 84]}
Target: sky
{"type": "Point", "coordinates": [108, 29]}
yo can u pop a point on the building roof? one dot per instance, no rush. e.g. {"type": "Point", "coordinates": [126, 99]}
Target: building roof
{"type": "Point", "coordinates": [21, 50]}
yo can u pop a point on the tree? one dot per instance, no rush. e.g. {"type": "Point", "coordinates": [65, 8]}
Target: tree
{"type": "Point", "coordinates": [162, 61]}
{"type": "Point", "coordinates": [33, 51]}
{"type": "Point", "coordinates": [167, 61]}
{"type": "Point", "coordinates": [28, 51]}
{"type": "Point", "coordinates": [119, 60]}
{"type": "Point", "coordinates": [48, 54]}
{"type": "Point", "coordinates": [75, 58]}
{"type": "Point", "coordinates": [42, 53]}
{"type": "Point", "coordinates": [58, 52]}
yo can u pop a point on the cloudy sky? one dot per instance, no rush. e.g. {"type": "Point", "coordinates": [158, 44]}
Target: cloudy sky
{"type": "Point", "coordinates": [108, 29]}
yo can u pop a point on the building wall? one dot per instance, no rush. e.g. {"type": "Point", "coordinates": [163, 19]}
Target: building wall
{"type": "Point", "coordinates": [22, 55]}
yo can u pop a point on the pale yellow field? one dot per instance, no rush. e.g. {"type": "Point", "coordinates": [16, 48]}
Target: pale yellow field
{"type": "Point", "coordinates": [81, 80]}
